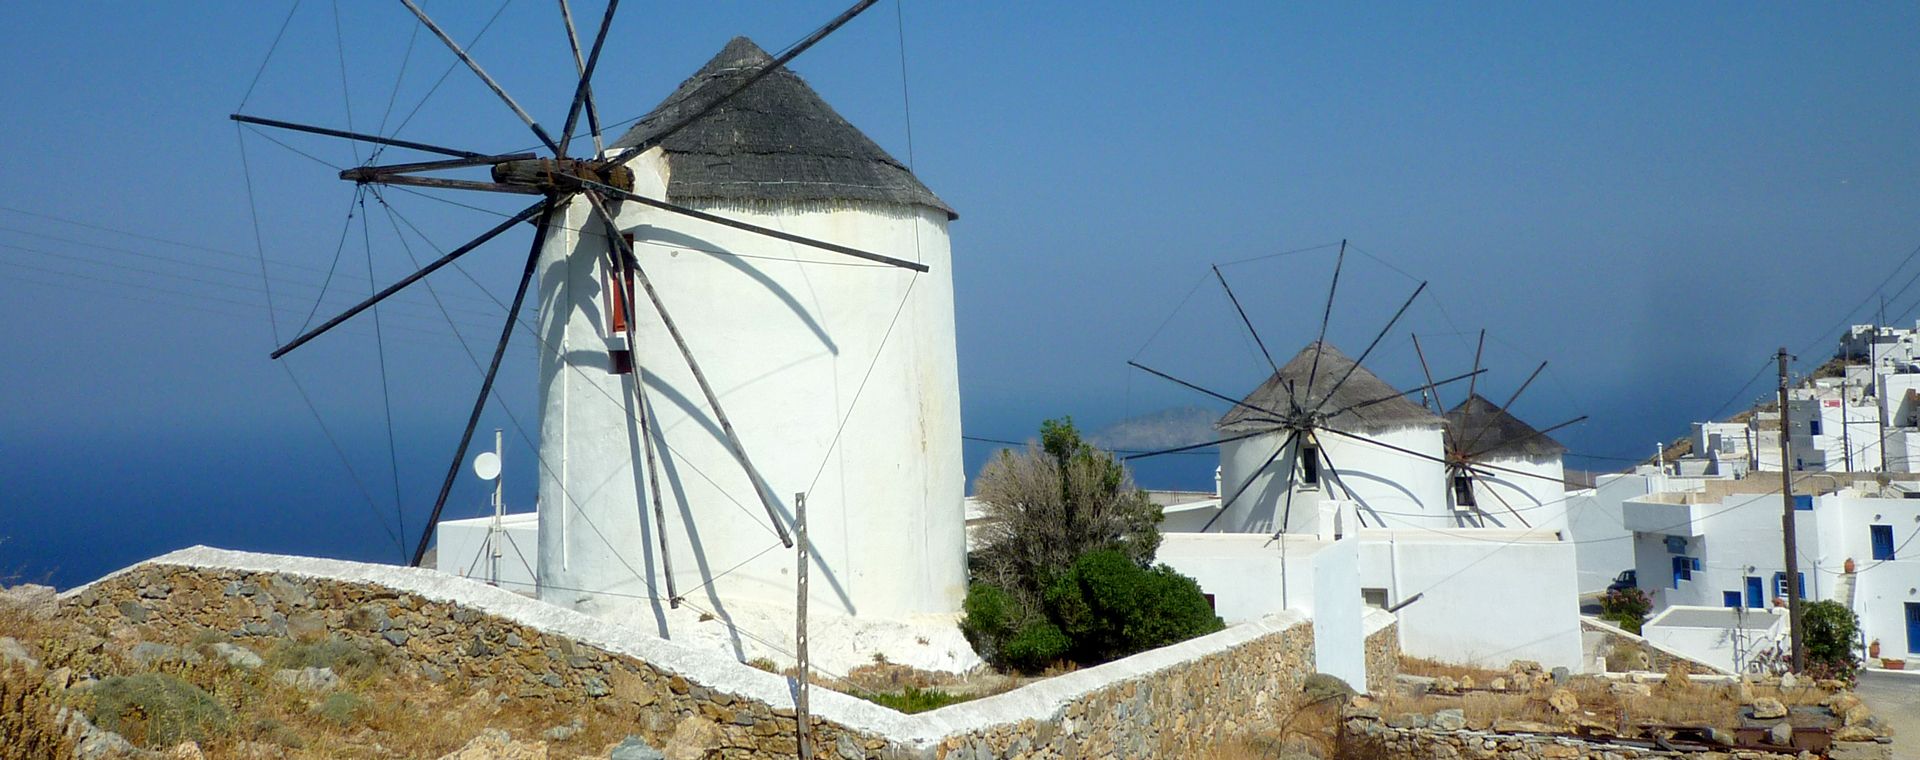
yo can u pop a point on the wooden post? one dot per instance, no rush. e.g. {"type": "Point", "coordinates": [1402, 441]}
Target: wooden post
{"type": "Point", "coordinates": [1787, 528]}
{"type": "Point", "coordinates": [803, 724]}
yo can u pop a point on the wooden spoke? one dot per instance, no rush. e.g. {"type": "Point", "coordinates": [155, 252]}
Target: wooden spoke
{"type": "Point", "coordinates": [1482, 430]}
{"type": "Point", "coordinates": [618, 264]}
{"type": "Point", "coordinates": [1244, 320]}
{"type": "Point", "coordinates": [442, 183]}
{"type": "Point", "coordinates": [538, 131]}
{"type": "Point", "coordinates": [371, 173]}
{"type": "Point", "coordinates": [614, 192]}
{"type": "Point", "coordinates": [545, 209]}
{"type": "Point", "coordinates": [583, 93]}
{"type": "Point", "coordinates": [693, 365]}
{"type": "Point", "coordinates": [524, 215]}
{"type": "Point", "coordinates": [1272, 416]}
{"type": "Point", "coordinates": [1385, 399]}
{"type": "Point", "coordinates": [1370, 347]}
{"type": "Point", "coordinates": [1325, 316]}
{"type": "Point", "coordinates": [772, 66]}
{"type": "Point", "coordinates": [360, 136]}
{"type": "Point", "coordinates": [1530, 436]}
{"type": "Point", "coordinates": [1477, 350]}
{"type": "Point", "coordinates": [1192, 446]}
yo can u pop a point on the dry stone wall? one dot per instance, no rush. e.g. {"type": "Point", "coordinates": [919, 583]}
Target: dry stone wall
{"type": "Point", "coordinates": [1383, 658]}
{"type": "Point", "coordinates": [1167, 702]}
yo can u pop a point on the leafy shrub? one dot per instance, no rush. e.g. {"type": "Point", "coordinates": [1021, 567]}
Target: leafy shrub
{"type": "Point", "coordinates": [342, 708]}
{"type": "Point", "coordinates": [1034, 647]}
{"type": "Point", "coordinates": [1110, 607]}
{"type": "Point", "coordinates": [157, 710]}
{"type": "Point", "coordinates": [1050, 504]}
{"type": "Point", "coordinates": [1626, 608]}
{"type": "Point", "coordinates": [1832, 633]}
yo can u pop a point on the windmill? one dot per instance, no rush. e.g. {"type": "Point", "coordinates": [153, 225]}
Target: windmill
{"type": "Point", "coordinates": [1320, 399]}
{"type": "Point", "coordinates": [718, 257]}
{"type": "Point", "coordinates": [1480, 434]}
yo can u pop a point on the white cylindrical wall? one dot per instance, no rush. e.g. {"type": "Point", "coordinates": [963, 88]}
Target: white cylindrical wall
{"type": "Point", "coordinates": [1388, 487]}
{"type": "Point", "coordinates": [838, 374]}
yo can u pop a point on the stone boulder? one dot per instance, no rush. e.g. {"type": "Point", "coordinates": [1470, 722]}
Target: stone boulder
{"type": "Point", "coordinates": [310, 679]}
{"type": "Point", "coordinates": [38, 602]}
{"type": "Point", "coordinates": [693, 737]}
{"type": "Point", "coordinates": [1768, 708]}
{"type": "Point", "coordinates": [1563, 701]}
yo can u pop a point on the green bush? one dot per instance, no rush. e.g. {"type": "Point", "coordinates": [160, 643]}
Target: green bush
{"type": "Point", "coordinates": [1110, 607]}
{"type": "Point", "coordinates": [1626, 608]}
{"type": "Point", "coordinates": [1039, 644]}
{"type": "Point", "coordinates": [341, 708]}
{"type": "Point", "coordinates": [157, 710]}
{"type": "Point", "coordinates": [1832, 633]}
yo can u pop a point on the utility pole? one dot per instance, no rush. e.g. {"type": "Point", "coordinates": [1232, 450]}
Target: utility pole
{"type": "Point", "coordinates": [1787, 528]}
{"type": "Point", "coordinates": [803, 722]}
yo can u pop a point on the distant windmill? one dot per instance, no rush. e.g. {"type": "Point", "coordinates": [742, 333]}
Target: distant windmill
{"type": "Point", "coordinates": [742, 122]}
{"type": "Point", "coordinates": [1478, 433]}
{"type": "Point", "coordinates": [1317, 398]}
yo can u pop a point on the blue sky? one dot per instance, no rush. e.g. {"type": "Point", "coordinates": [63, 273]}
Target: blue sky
{"type": "Point", "coordinates": [1652, 198]}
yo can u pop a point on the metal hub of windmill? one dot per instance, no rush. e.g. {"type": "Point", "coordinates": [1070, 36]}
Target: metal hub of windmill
{"type": "Point", "coordinates": [604, 181]}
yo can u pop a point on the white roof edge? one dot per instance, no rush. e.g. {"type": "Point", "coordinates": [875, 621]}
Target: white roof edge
{"type": "Point", "coordinates": [1038, 701]}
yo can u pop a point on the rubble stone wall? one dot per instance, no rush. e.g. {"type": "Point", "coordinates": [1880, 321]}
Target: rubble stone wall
{"type": "Point", "coordinates": [1660, 659]}
{"type": "Point", "coordinates": [1383, 658]}
{"type": "Point", "coordinates": [1165, 702]}
{"type": "Point", "coordinates": [1424, 743]}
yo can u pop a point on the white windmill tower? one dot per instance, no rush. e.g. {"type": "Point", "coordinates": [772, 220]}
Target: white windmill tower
{"type": "Point", "coordinates": [839, 374]}
{"type": "Point", "coordinates": [717, 336]}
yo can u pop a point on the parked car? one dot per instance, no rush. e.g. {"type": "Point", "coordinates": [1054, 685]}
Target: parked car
{"type": "Point", "coordinates": [1625, 580]}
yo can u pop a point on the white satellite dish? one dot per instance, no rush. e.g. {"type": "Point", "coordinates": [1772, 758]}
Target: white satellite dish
{"type": "Point", "coordinates": [487, 465]}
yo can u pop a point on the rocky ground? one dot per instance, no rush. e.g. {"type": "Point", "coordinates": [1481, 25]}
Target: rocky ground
{"type": "Point", "coordinates": [68, 692]}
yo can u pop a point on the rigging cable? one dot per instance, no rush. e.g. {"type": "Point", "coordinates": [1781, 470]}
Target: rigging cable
{"type": "Point", "coordinates": [386, 393]}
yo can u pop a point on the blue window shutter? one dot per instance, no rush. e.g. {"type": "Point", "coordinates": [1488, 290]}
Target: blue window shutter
{"type": "Point", "coordinates": [1801, 578]}
{"type": "Point", "coordinates": [1803, 503]}
{"type": "Point", "coordinates": [1730, 599]}
{"type": "Point", "coordinates": [1695, 562]}
{"type": "Point", "coordinates": [1780, 584]}
{"type": "Point", "coordinates": [1882, 541]}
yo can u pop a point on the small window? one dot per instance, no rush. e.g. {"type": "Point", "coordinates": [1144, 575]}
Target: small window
{"type": "Point", "coordinates": [1730, 599]}
{"type": "Point", "coordinates": [1310, 465]}
{"type": "Point", "coordinates": [1813, 427]}
{"type": "Point", "coordinates": [1803, 502]}
{"type": "Point", "coordinates": [1463, 491]}
{"type": "Point", "coordinates": [1374, 597]}
{"type": "Point", "coordinates": [1882, 541]}
{"type": "Point", "coordinates": [1780, 585]}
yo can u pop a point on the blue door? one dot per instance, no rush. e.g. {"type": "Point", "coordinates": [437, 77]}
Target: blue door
{"type": "Point", "coordinates": [1756, 596]}
{"type": "Point", "coordinates": [1913, 628]}
{"type": "Point", "coordinates": [1730, 599]}
{"type": "Point", "coordinates": [1882, 541]}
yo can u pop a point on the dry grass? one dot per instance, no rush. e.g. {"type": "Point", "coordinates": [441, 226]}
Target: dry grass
{"type": "Point", "coordinates": [1417, 666]}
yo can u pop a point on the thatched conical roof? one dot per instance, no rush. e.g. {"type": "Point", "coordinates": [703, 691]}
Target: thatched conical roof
{"type": "Point", "coordinates": [1363, 386]}
{"type": "Point", "coordinates": [1479, 425]}
{"type": "Point", "coordinates": [775, 142]}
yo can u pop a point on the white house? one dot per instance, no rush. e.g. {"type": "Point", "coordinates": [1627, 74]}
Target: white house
{"type": "Point", "coordinates": [1722, 546]}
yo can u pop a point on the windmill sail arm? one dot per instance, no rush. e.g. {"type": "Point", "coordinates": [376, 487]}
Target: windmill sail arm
{"type": "Point", "coordinates": [1271, 415]}
{"type": "Point", "coordinates": [1385, 399]}
{"type": "Point", "coordinates": [360, 136]}
{"type": "Point", "coordinates": [583, 93]}
{"type": "Point", "coordinates": [370, 173]}
{"type": "Point", "coordinates": [430, 268]}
